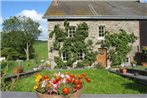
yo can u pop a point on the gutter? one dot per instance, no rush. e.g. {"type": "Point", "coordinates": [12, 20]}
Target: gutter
{"type": "Point", "coordinates": [104, 17]}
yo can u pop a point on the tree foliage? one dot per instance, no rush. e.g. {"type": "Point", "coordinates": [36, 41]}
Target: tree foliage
{"type": "Point", "coordinates": [72, 45]}
{"type": "Point", "coordinates": [11, 45]}
{"type": "Point", "coordinates": [118, 45]}
{"type": "Point", "coordinates": [19, 34]}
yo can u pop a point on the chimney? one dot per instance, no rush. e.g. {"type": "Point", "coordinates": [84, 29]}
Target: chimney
{"type": "Point", "coordinates": [55, 2]}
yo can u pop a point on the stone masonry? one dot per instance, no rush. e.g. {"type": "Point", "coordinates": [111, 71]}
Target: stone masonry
{"type": "Point", "coordinates": [111, 26]}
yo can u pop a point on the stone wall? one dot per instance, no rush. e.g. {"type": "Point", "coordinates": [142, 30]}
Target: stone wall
{"type": "Point", "coordinates": [111, 26]}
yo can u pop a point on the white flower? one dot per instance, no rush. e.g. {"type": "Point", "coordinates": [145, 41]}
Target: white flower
{"type": "Point", "coordinates": [44, 83]}
{"type": "Point", "coordinates": [62, 75]}
{"type": "Point", "coordinates": [67, 76]}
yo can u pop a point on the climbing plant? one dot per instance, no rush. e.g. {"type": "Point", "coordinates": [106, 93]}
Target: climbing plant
{"type": "Point", "coordinates": [72, 45]}
{"type": "Point", "coordinates": [118, 45]}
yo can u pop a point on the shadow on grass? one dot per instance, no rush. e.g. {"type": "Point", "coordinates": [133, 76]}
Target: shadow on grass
{"type": "Point", "coordinates": [136, 87]}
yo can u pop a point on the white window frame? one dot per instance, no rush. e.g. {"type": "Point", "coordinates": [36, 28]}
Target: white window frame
{"type": "Point", "coordinates": [81, 55]}
{"type": "Point", "coordinates": [101, 30]}
{"type": "Point", "coordinates": [64, 56]}
{"type": "Point", "coordinates": [71, 31]}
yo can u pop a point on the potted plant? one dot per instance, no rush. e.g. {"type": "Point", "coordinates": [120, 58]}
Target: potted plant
{"type": "Point", "coordinates": [60, 85]}
{"type": "Point", "coordinates": [123, 70]}
{"type": "Point", "coordinates": [18, 69]}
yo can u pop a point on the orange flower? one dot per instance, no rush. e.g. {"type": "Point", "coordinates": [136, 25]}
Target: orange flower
{"type": "Point", "coordinates": [72, 75]}
{"type": "Point", "coordinates": [84, 74]}
{"type": "Point", "coordinates": [80, 77]}
{"type": "Point", "coordinates": [66, 90]}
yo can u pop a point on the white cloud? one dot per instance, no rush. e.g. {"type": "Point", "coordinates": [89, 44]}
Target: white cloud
{"type": "Point", "coordinates": [32, 14]}
{"type": "Point", "coordinates": [37, 17]}
{"type": "Point", "coordinates": [1, 20]}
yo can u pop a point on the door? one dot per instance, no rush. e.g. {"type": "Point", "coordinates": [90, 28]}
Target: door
{"type": "Point", "coordinates": [102, 57]}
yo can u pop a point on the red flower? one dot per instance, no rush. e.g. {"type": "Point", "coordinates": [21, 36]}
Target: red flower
{"type": "Point", "coordinates": [78, 86]}
{"type": "Point", "coordinates": [76, 81]}
{"type": "Point", "coordinates": [84, 74]}
{"type": "Point", "coordinates": [66, 90]}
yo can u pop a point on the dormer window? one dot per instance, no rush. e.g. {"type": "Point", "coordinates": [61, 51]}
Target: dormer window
{"type": "Point", "coordinates": [71, 31]}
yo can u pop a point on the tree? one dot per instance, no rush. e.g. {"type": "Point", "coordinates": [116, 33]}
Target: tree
{"type": "Point", "coordinates": [11, 45]}
{"type": "Point", "coordinates": [28, 29]}
{"type": "Point", "coordinates": [118, 45]}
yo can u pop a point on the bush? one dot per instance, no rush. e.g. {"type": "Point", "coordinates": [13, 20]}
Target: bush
{"type": "Point", "coordinates": [99, 66]}
{"type": "Point", "coordinates": [8, 86]}
{"type": "Point", "coordinates": [59, 62]}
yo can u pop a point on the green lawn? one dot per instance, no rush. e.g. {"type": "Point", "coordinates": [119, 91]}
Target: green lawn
{"type": "Point", "coordinates": [27, 65]}
{"type": "Point", "coordinates": [41, 50]}
{"type": "Point", "coordinates": [103, 82]}
{"type": "Point", "coordinates": [140, 67]}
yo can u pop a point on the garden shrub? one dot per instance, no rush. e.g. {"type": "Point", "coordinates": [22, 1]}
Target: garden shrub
{"type": "Point", "coordinates": [118, 45]}
{"type": "Point", "coordinates": [59, 62]}
{"type": "Point", "coordinates": [8, 86]}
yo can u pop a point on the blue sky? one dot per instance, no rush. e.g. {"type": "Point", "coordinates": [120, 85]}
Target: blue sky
{"type": "Point", "coordinates": [11, 8]}
{"type": "Point", "coordinates": [30, 8]}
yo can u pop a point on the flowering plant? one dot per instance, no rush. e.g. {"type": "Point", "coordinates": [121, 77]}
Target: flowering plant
{"type": "Point", "coordinates": [60, 84]}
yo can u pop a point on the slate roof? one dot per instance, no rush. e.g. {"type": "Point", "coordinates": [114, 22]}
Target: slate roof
{"type": "Point", "coordinates": [97, 10]}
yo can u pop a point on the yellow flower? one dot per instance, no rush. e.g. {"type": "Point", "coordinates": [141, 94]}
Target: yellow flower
{"type": "Point", "coordinates": [38, 77]}
{"type": "Point", "coordinates": [35, 87]}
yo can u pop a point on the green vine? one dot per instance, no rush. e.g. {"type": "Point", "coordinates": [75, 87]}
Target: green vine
{"type": "Point", "coordinates": [72, 45]}
{"type": "Point", "coordinates": [118, 46]}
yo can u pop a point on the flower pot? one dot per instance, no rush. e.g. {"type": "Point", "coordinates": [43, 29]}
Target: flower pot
{"type": "Point", "coordinates": [77, 94]}
{"type": "Point", "coordinates": [144, 63]}
{"type": "Point", "coordinates": [124, 71]}
{"type": "Point", "coordinates": [17, 70]}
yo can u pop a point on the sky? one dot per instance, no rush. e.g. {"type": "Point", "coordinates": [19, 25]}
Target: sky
{"type": "Point", "coordinates": [30, 8]}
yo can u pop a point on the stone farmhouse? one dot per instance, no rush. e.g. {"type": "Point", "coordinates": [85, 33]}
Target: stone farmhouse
{"type": "Point", "coordinates": [101, 16]}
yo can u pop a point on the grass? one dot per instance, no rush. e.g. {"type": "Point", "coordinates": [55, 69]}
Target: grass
{"type": "Point", "coordinates": [140, 67]}
{"type": "Point", "coordinates": [27, 65]}
{"type": "Point", "coordinates": [41, 50]}
{"type": "Point", "coordinates": [103, 82]}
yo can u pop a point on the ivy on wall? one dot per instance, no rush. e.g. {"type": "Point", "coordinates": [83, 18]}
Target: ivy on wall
{"type": "Point", "coordinates": [72, 45]}
{"type": "Point", "coordinates": [118, 45]}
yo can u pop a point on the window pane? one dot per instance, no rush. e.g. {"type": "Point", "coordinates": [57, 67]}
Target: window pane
{"type": "Point", "coordinates": [101, 31]}
{"type": "Point", "coordinates": [65, 56]}
{"type": "Point", "coordinates": [71, 31]}
{"type": "Point", "coordinates": [80, 56]}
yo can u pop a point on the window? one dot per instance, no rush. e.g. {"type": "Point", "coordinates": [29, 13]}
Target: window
{"type": "Point", "coordinates": [101, 31]}
{"type": "Point", "coordinates": [80, 55]}
{"type": "Point", "coordinates": [64, 56]}
{"type": "Point", "coordinates": [127, 60]}
{"type": "Point", "coordinates": [71, 31]}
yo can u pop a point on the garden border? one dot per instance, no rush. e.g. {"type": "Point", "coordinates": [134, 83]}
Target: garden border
{"type": "Point", "coordinates": [137, 78]}
{"type": "Point", "coordinates": [10, 77]}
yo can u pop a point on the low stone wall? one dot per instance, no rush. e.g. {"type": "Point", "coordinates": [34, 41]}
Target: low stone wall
{"type": "Point", "coordinates": [138, 78]}
{"type": "Point", "coordinates": [21, 75]}
{"type": "Point", "coordinates": [141, 72]}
